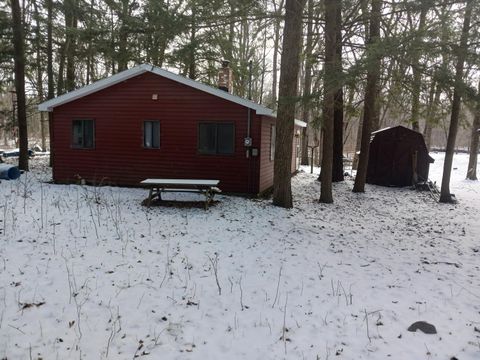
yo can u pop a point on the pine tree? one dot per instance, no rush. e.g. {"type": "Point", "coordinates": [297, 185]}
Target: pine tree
{"type": "Point", "coordinates": [19, 58]}
{"type": "Point", "coordinates": [307, 86]}
{"type": "Point", "coordinates": [337, 164]}
{"type": "Point", "coordinates": [373, 61]}
{"type": "Point", "coordinates": [445, 195]}
{"type": "Point", "coordinates": [417, 74]}
{"type": "Point", "coordinates": [287, 99]}
{"type": "Point", "coordinates": [330, 90]}
{"type": "Point", "coordinates": [475, 131]}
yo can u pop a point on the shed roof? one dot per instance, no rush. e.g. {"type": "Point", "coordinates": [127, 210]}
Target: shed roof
{"type": "Point", "coordinates": [140, 69]}
{"type": "Point", "coordinates": [395, 130]}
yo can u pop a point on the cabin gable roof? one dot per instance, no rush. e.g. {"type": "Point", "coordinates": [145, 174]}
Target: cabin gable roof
{"type": "Point", "coordinates": [49, 105]}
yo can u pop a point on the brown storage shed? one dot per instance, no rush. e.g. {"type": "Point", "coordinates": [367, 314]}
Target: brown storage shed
{"type": "Point", "coordinates": [398, 157]}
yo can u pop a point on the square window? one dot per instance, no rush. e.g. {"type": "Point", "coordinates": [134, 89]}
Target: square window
{"type": "Point", "coordinates": [151, 134]}
{"type": "Point", "coordinates": [216, 138]}
{"type": "Point", "coordinates": [83, 134]}
{"type": "Point", "coordinates": [207, 138]}
{"type": "Point", "coordinates": [225, 139]}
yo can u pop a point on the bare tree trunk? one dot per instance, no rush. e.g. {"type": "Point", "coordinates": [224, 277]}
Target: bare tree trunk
{"type": "Point", "coordinates": [51, 84]}
{"type": "Point", "coordinates": [19, 58]}
{"type": "Point", "coordinates": [358, 142]}
{"type": "Point", "coordinates": [110, 58]}
{"type": "Point", "coordinates": [123, 37]}
{"type": "Point", "coordinates": [307, 88]}
{"type": "Point", "coordinates": [70, 43]}
{"type": "Point", "coordinates": [231, 31]}
{"type": "Point", "coordinates": [264, 64]}
{"type": "Point", "coordinates": [90, 76]}
{"type": "Point", "coordinates": [376, 122]}
{"type": "Point", "coordinates": [374, 59]}
{"type": "Point", "coordinates": [427, 131]}
{"type": "Point", "coordinates": [417, 74]}
{"type": "Point", "coordinates": [43, 129]}
{"type": "Point", "coordinates": [347, 127]}
{"type": "Point", "coordinates": [276, 44]}
{"type": "Point", "coordinates": [364, 7]}
{"type": "Point", "coordinates": [290, 64]}
{"type": "Point", "coordinates": [433, 119]}
{"type": "Point", "coordinates": [50, 81]}
{"type": "Point", "coordinates": [61, 71]}
{"type": "Point", "coordinates": [243, 57]}
{"type": "Point", "coordinates": [38, 63]}
{"type": "Point", "coordinates": [330, 89]}
{"type": "Point", "coordinates": [337, 169]}
{"type": "Point", "coordinates": [192, 69]}
{"type": "Point", "coordinates": [472, 160]}
{"type": "Point", "coordinates": [445, 195]}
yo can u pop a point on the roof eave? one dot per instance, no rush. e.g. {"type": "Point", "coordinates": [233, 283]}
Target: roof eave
{"type": "Point", "coordinates": [300, 123]}
{"type": "Point", "coordinates": [140, 69]}
{"type": "Point", "coordinates": [273, 114]}
{"type": "Point", "coordinates": [49, 105]}
{"type": "Point", "coordinates": [259, 109]}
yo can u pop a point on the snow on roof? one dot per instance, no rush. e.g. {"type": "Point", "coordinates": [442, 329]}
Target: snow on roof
{"type": "Point", "coordinates": [394, 127]}
{"type": "Point", "coordinates": [140, 69]}
{"type": "Point", "coordinates": [300, 123]}
{"type": "Point", "coordinates": [380, 130]}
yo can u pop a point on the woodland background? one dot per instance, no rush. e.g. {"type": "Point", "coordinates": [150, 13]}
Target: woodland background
{"type": "Point", "coordinates": [89, 40]}
{"type": "Point", "coordinates": [420, 57]}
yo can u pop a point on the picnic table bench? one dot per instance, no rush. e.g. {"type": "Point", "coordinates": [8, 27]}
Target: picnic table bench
{"type": "Point", "coordinates": [158, 186]}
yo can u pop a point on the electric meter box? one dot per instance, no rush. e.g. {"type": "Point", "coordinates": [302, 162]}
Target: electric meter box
{"type": "Point", "coordinates": [247, 141]}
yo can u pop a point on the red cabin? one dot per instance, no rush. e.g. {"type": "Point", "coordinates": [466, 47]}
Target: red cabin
{"type": "Point", "coordinates": [147, 122]}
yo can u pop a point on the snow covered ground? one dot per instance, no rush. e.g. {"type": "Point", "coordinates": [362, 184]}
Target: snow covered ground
{"type": "Point", "coordinates": [88, 273]}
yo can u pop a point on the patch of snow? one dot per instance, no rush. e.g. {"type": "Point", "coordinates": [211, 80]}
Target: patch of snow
{"type": "Point", "coordinates": [89, 273]}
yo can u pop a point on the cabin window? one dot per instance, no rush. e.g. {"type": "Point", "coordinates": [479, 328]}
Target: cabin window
{"type": "Point", "coordinates": [83, 134]}
{"type": "Point", "coordinates": [151, 134]}
{"type": "Point", "coordinates": [272, 143]}
{"type": "Point", "coordinates": [216, 138]}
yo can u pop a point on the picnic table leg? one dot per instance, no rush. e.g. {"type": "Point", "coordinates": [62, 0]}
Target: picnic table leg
{"type": "Point", "coordinates": [208, 198]}
{"type": "Point", "coordinates": [154, 191]}
{"type": "Point", "coordinates": [149, 200]}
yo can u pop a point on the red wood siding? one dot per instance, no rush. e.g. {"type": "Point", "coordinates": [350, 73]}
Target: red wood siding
{"type": "Point", "coordinates": [266, 165]}
{"type": "Point", "coordinates": [119, 156]}
{"type": "Point", "coordinates": [296, 150]}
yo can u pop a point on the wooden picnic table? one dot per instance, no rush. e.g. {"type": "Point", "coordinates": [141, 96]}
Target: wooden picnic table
{"type": "Point", "coordinates": [203, 186]}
